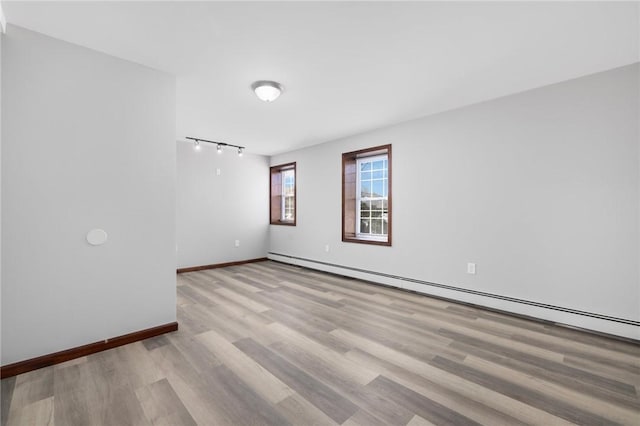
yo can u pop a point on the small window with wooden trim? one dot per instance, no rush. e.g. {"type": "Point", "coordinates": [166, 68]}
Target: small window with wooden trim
{"type": "Point", "coordinates": [366, 196]}
{"type": "Point", "coordinates": [283, 194]}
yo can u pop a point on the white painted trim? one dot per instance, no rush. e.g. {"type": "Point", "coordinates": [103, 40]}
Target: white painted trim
{"type": "Point", "coordinates": [564, 318]}
{"type": "Point", "coordinates": [359, 160]}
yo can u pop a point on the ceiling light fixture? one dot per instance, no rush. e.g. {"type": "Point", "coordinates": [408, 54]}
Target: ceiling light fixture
{"type": "Point", "coordinates": [220, 145]}
{"type": "Point", "coordinates": [266, 90]}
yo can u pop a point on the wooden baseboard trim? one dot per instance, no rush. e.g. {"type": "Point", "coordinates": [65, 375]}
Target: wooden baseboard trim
{"type": "Point", "coordinates": [80, 351]}
{"type": "Point", "coordinates": [220, 265]}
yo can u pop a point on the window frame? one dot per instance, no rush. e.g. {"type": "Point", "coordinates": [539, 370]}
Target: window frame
{"type": "Point", "coordinates": [283, 197]}
{"type": "Point", "coordinates": [350, 198]}
{"type": "Point", "coordinates": [279, 205]}
{"type": "Point", "coordinates": [369, 159]}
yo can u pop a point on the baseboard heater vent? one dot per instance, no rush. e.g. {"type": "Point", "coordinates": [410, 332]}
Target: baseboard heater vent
{"type": "Point", "coordinates": [468, 291]}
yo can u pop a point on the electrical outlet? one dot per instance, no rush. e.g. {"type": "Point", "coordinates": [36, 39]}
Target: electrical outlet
{"type": "Point", "coordinates": [218, 172]}
{"type": "Point", "coordinates": [237, 243]}
{"type": "Point", "coordinates": [471, 268]}
{"type": "Point", "coordinates": [326, 248]}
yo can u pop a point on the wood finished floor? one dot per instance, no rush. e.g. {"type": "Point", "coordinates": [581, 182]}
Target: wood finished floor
{"type": "Point", "coordinates": [273, 344]}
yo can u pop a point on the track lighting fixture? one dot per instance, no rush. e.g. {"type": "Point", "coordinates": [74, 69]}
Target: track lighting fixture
{"type": "Point", "coordinates": [219, 145]}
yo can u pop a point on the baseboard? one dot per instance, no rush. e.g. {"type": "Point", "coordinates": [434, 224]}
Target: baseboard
{"type": "Point", "coordinates": [219, 265]}
{"type": "Point", "coordinates": [80, 351]}
{"type": "Point", "coordinates": [623, 328]}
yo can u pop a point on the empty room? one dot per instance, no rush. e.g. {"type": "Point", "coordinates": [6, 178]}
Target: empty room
{"type": "Point", "coordinates": [319, 213]}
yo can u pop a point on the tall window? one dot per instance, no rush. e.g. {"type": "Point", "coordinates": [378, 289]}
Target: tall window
{"type": "Point", "coordinates": [283, 194]}
{"type": "Point", "coordinates": [371, 195]}
{"type": "Point", "coordinates": [366, 196]}
{"type": "Point", "coordinates": [288, 195]}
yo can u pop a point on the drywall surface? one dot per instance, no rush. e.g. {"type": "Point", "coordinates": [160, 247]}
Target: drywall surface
{"type": "Point", "coordinates": [88, 142]}
{"type": "Point", "coordinates": [1, 38]}
{"type": "Point", "coordinates": [539, 189]}
{"type": "Point", "coordinates": [214, 210]}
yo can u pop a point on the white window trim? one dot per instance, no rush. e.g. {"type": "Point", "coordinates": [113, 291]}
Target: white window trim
{"type": "Point", "coordinates": [283, 195]}
{"type": "Point", "coordinates": [360, 236]}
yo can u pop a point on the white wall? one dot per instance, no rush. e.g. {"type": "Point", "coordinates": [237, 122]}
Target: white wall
{"type": "Point", "coordinates": [1, 39]}
{"type": "Point", "coordinates": [88, 142]}
{"type": "Point", "coordinates": [213, 211]}
{"type": "Point", "coordinates": [540, 189]}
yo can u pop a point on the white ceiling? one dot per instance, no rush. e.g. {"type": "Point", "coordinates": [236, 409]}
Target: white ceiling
{"type": "Point", "coordinates": [346, 67]}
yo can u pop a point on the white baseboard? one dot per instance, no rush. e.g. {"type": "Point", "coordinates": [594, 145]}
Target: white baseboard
{"type": "Point", "coordinates": [557, 314]}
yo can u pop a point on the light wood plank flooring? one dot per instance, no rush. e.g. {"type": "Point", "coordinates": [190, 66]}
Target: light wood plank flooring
{"type": "Point", "coordinates": [273, 344]}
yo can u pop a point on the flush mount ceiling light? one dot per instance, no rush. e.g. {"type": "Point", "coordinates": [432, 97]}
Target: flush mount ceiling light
{"type": "Point", "coordinates": [266, 90]}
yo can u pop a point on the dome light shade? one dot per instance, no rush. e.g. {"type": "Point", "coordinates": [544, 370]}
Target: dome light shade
{"type": "Point", "coordinates": [267, 91]}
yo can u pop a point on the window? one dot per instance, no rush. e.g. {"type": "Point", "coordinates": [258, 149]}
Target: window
{"type": "Point", "coordinates": [283, 194]}
{"type": "Point", "coordinates": [366, 196]}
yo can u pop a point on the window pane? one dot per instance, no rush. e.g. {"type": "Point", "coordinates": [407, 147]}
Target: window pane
{"type": "Point", "coordinates": [378, 190]}
{"type": "Point", "coordinates": [385, 227]}
{"type": "Point", "coordinates": [373, 184]}
{"type": "Point", "coordinates": [288, 208]}
{"type": "Point", "coordinates": [365, 189]}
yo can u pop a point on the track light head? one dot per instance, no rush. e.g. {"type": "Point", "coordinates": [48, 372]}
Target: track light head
{"type": "Point", "coordinates": [219, 149]}
{"type": "Point", "coordinates": [196, 145]}
{"type": "Point", "coordinates": [240, 151]}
